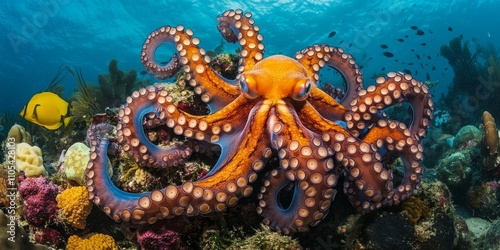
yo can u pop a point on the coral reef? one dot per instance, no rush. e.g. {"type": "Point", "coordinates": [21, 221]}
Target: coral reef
{"type": "Point", "coordinates": [51, 237]}
{"type": "Point", "coordinates": [490, 141]}
{"type": "Point", "coordinates": [29, 160]}
{"type": "Point", "coordinates": [38, 197]}
{"type": "Point", "coordinates": [468, 136]}
{"type": "Point", "coordinates": [93, 242]}
{"type": "Point", "coordinates": [75, 161]}
{"type": "Point", "coordinates": [75, 206]}
{"type": "Point", "coordinates": [13, 236]}
{"type": "Point", "coordinates": [159, 237]}
{"type": "Point", "coordinates": [485, 200]}
{"type": "Point", "coordinates": [491, 239]}
{"type": "Point", "coordinates": [118, 84]}
{"type": "Point", "coordinates": [266, 239]}
{"type": "Point", "coordinates": [414, 210]}
{"type": "Point", "coordinates": [19, 134]}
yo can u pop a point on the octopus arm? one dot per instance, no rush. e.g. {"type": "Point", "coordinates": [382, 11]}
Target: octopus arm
{"type": "Point", "coordinates": [155, 103]}
{"type": "Point", "coordinates": [216, 191]}
{"type": "Point", "coordinates": [304, 175]}
{"type": "Point", "coordinates": [236, 26]}
{"type": "Point", "coordinates": [326, 105]}
{"type": "Point", "coordinates": [369, 188]}
{"type": "Point", "coordinates": [194, 62]}
{"type": "Point", "coordinates": [396, 88]}
{"type": "Point", "coordinates": [369, 183]}
{"type": "Point", "coordinates": [315, 57]}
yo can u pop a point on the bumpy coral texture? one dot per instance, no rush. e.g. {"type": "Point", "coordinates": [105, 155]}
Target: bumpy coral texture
{"type": "Point", "coordinates": [74, 205]}
{"type": "Point", "coordinates": [29, 160]}
{"type": "Point", "coordinates": [95, 242]}
{"type": "Point", "coordinates": [75, 161]}
{"type": "Point", "coordinates": [38, 197]}
{"type": "Point", "coordinates": [159, 237]}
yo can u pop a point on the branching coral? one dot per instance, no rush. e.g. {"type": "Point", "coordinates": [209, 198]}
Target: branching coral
{"type": "Point", "coordinates": [85, 100]}
{"type": "Point", "coordinates": [118, 84]}
{"type": "Point", "coordinates": [75, 206]}
{"type": "Point", "coordinates": [467, 88]}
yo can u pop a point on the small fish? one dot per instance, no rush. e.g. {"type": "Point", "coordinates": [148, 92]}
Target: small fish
{"type": "Point", "coordinates": [382, 69]}
{"type": "Point", "coordinates": [421, 65]}
{"type": "Point", "coordinates": [370, 58]}
{"type": "Point", "coordinates": [211, 53]}
{"type": "Point", "coordinates": [412, 50]}
{"type": "Point", "coordinates": [420, 33]}
{"type": "Point", "coordinates": [406, 36]}
{"type": "Point", "coordinates": [143, 72]}
{"type": "Point", "coordinates": [383, 46]}
{"type": "Point", "coordinates": [407, 71]}
{"type": "Point", "coordinates": [445, 69]}
{"type": "Point", "coordinates": [433, 67]}
{"type": "Point", "coordinates": [450, 29]}
{"type": "Point", "coordinates": [410, 63]}
{"type": "Point", "coordinates": [418, 57]}
{"type": "Point", "coordinates": [388, 54]}
{"type": "Point", "coordinates": [416, 72]}
{"type": "Point", "coordinates": [47, 110]}
{"type": "Point", "coordinates": [423, 44]}
{"type": "Point", "coordinates": [427, 77]}
{"type": "Point", "coordinates": [350, 45]}
{"type": "Point", "coordinates": [414, 27]}
{"type": "Point", "coordinates": [332, 34]}
{"type": "Point", "coordinates": [400, 40]}
{"type": "Point", "coordinates": [429, 57]}
{"type": "Point", "coordinates": [341, 42]}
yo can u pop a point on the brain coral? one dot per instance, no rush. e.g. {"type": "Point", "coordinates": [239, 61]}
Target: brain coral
{"type": "Point", "coordinates": [29, 160]}
{"type": "Point", "coordinates": [75, 161]}
{"type": "Point", "coordinates": [75, 206]}
{"type": "Point", "coordinates": [95, 242]}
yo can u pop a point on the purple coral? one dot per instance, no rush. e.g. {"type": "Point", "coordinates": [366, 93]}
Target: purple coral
{"type": "Point", "coordinates": [159, 236]}
{"type": "Point", "coordinates": [39, 200]}
{"type": "Point", "coordinates": [50, 237]}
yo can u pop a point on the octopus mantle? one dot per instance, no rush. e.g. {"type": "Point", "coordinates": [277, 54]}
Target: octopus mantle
{"type": "Point", "coordinates": [274, 109]}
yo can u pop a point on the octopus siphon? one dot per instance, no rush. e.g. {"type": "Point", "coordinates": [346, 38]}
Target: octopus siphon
{"type": "Point", "coordinates": [279, 133]}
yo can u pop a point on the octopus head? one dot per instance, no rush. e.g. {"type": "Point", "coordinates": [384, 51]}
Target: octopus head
{"type": "Point", "coordinates": [275, 78]}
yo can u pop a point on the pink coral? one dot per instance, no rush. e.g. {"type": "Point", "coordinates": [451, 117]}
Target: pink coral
{"type": "Point", "coordinates": [50, 236]}
{"type": "Point", "coordinates": [39, 200]}
{"type": "Point", "coordinates": [159, 236]}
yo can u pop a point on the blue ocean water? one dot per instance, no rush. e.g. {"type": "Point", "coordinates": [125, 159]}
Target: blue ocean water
{"type": "Point", "coordinates": [41, 36]}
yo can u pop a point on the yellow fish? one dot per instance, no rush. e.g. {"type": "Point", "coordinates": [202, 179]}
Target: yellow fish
{"type": "Point", "coordinates": [47, 110]}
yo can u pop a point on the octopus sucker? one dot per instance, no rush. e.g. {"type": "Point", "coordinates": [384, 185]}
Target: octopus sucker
{"type": "Point", "coordinates": [274, 119]}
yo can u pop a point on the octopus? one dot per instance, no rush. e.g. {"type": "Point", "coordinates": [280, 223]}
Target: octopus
{"type": "Point", "coordinates": [278, 132]}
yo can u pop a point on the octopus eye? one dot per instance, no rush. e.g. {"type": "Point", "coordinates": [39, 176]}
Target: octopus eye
{"type": "Point", "coordinates": [247, 85]}
{"type": "Point", "coordinates": [302, 90]}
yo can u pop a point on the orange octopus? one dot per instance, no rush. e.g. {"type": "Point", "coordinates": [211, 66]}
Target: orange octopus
{"type": "Point", "coordinates": [279, 134]}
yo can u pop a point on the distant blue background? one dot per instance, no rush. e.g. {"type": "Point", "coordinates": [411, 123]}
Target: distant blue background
{"type": "Point", "coordinates": [40, 36]}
